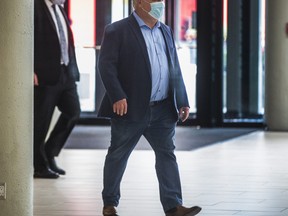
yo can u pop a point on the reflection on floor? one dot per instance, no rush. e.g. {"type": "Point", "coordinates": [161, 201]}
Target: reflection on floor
{"type": "Point", "coordinates": [246, 176]}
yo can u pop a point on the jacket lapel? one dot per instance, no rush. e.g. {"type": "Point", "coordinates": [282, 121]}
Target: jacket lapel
{"type": "Point", "coordinates": [167, 39]}
{"type": "Point", "coordinates": [48, 14]}
{"type": "Point", "coordinates": [138, 34]}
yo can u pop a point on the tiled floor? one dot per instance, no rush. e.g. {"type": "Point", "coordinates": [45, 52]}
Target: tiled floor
{"type": "Point", "coordinates": [243, 176]}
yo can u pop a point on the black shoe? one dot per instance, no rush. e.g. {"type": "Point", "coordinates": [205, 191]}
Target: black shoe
{"type": "Point", "coordinates": [53, 166]}
{"type": "Point", "coordinates": [45, 173]}
{"type": "Point", "coordinates": [183, 211]}
{"type": "Point", "coordinates": [109, 211]}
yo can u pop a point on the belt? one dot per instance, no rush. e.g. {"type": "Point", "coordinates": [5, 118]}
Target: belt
{"type": "Point", "coordinates": [154, 103]}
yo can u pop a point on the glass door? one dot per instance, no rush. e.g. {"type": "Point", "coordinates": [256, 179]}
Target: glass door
{"type": "Point", "coordinates": [243, 60]}
{"type": "Point", "coordinates": [83, 24]}
{"type": "Point", "coordinates": [88, 19]}
{"type": "Point", "coordinates": [186, 42]}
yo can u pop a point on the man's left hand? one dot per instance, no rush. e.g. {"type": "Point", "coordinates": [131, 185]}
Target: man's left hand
{"type": "Point", "coordinates": [184, 113]}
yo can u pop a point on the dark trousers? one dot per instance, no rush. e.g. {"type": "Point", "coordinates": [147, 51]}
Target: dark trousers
{"type": "Point", "coordinates": [64, 96]}
{"type": "Point", "coordinates": [158, 127]}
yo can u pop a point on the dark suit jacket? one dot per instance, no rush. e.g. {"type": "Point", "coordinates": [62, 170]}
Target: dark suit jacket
{"type": "Point", "coordinates": [47, 53]}
{"type": "Point", "coordinates": [126, 72]}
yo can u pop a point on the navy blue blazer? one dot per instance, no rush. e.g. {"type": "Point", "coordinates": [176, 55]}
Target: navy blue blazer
{"type": "Point", "coordinates": [47, 51]}
{"type": "Point", "coordinates": [125, 70]}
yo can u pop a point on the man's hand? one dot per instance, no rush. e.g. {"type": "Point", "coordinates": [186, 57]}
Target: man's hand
{"type": "Point", "coordinates": [36, 82]}
{"type": "Point", "coordinates": [184, 113]}
{"type": "Point", "coordinates": [120, 107]}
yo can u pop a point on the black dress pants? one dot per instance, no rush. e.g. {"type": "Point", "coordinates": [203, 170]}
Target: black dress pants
{"type": "Point", "coordinates": [64, 96]}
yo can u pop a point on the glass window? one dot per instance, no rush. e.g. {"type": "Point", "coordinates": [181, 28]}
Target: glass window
{"type": "Point", "coordinates": [82, 17]}
{"type": "Point", "coordinates": [262, 57]}
{"type": "Point", "coordinates": [186, 42]}
{"type": "Point", "coordinates": [83, 23]}
{"type": "Point", "coordinates": [117, 13]}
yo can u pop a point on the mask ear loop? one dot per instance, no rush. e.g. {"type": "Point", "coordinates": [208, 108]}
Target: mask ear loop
{"type": "Point", "coordinates": [143, 8]}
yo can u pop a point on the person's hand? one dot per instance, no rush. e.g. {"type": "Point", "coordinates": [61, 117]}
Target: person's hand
{"type": "Point", "coordinates": [120, 107]}
{"type": "Point", "coordinates": [36, 82]}
{"type": "Point", "coordinates": [183, 113]}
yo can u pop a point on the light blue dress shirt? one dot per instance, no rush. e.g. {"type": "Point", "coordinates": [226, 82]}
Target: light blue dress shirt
{"type": "Point", "coordinates": [157, 52]}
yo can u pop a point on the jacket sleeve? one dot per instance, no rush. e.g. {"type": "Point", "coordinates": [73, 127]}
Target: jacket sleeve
{"type": "Point", "coordinates": [108, 64]}
{"type": "Point", "coordinates": [180, 94]}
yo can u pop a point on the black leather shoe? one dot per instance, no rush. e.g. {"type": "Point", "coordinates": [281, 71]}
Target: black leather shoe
{"type": "Point", "coordinates": [183, 211]}
{"type": "Point", "coordinates": [45, 173]}
{"type": "Point", "coordinates": [109, 211]}
{"type": "Point", "coordinates": [53, 166]}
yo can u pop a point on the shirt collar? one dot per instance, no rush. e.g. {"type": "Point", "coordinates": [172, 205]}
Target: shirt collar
{"type": "Point", "coordinates": [142, 23]}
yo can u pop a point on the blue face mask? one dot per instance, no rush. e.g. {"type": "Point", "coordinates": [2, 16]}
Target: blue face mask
{"type": "Point", "coordinates": [157, 9]}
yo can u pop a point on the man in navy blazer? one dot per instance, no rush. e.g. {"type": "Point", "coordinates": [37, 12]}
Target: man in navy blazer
{"type": "Point", "coordinates": [145, 95]}
{"type": "Point", "coordinates": [54, 86]}
{"type": "Point", "coordinates": [126, 71]}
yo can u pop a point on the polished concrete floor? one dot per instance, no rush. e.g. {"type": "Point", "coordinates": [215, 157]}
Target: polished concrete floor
{"type": "Point", "coordinates": [246, 176]}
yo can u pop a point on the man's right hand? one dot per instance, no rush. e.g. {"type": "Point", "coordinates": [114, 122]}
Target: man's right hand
{"type": "Point", "coordinates": [120, 107]}
{"type": "Point", "coordinates": [36, 82]}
